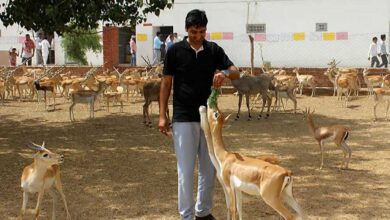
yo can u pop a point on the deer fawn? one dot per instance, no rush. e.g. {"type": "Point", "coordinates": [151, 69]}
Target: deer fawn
{"type": "Point", "coordinates": [40, 177]}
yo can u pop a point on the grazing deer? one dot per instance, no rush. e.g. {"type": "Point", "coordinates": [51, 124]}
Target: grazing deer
{"type": "Point", "coordinates": [372, 81]}
{"type": "Point", "coordinates": [336, 133]}
{"type": "Point", "coordinates": [381, 95]}
{"type": "Point", "coordinates": [85, 97]}
{"type": "Point", "coordinates": [238, 173]}
{"type": "Point", "coordinates": [42, 176]}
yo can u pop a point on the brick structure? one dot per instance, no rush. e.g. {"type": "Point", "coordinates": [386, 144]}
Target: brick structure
{"type": "Point", "coordinates": [110, 46]}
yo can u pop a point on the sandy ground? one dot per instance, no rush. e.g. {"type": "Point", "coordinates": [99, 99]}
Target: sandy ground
{"type": "Point", "coordinates": [116, 168]}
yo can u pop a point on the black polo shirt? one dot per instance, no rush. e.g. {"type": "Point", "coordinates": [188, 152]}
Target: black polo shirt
{"type": "Point", "coordinates": [192, 76]}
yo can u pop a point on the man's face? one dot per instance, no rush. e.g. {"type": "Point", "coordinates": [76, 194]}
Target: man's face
{"type": "Point", "coordinates": [196, 34]}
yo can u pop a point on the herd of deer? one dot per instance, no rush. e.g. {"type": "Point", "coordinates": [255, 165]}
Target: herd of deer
{"type": "Point", "coordinates": [261, 176]}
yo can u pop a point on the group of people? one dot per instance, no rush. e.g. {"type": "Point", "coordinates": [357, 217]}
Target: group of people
{"type": "Point", "coordinates": [375, 51]}
{"type": "Point", "coordinates": [158, 44]}
{"type": "Point", "coordinates": [29, 50]}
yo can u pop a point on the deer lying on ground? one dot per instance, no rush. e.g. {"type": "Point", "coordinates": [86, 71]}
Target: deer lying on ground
{"type": "Point", "coordinates": [336, 133]}
{"type": "Point", "coordinates": [381, 95]}
{"type": "Point", "coordinates": [42, 176]}
{"type": "Point", "coordinates": [305, 80]}
{"type": "Point", "coordinates": [85, 97]}
{"type": "Point", "coordinates": [238, 173]}
{"type": "Point", "coordinates": [372, 81]}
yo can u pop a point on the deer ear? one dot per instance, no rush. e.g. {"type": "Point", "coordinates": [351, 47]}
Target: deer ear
{"type": "Point", "coordinates": [227, 118]}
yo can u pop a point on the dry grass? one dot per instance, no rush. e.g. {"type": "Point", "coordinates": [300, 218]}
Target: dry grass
{"type": "Point", "coordinates": [116, 168]}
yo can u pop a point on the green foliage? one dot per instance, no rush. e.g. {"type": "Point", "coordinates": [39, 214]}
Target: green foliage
{"type": "Point", "coordinates": [77, 44]}
{"type": "Point", "coordinates": [213, 98]}
{"type": "Point", "coordinates": [64, 15]}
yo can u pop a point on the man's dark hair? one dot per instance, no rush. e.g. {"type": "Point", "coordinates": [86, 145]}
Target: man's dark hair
{"type": "Point", "coordinates": [196, 18]}
{"type": "Point", "coordinates": [158, 33]}
{"type": "Point", "coordinates": [383, 36]}
{"type": "Point", "coordinates": [27, 35]}
{"type": "Point", "coordinates": [374, 38]}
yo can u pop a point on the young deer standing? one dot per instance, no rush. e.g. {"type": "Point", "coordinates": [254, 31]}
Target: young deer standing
{"type": "Point", "coordinates": [40, 177]}
{"type": "Point", "coordinates": [336, 133]}
{"type": "Point", "coordinates": [238, 173]}
{"type": "Point", "coordinates": [381, 95]}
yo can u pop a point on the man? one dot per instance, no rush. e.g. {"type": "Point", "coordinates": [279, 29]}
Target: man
{"type": "Point", "coordinates": [373, 53]}
{"type": "Point", "coordinates": [383, 51]}
{"type": "Point", "coordinates": [133, 50]}
{"type": "Point", "coordinates": [157, 49]}
{"type": "Point", "coordinates": [38, 49]}
{"type": "Point", "coordinates": [45, 45]}
{"type": "Point", "coordinates": [191, 64]}
{"type": "Point", "coordinates": [28, 50]}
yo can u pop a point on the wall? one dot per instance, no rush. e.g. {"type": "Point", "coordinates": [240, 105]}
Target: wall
{"type": "Point", "coordinates": [360, 19]}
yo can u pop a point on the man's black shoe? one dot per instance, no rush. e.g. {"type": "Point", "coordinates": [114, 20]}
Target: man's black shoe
{"type": "Point", "coordinates": [207, 217]}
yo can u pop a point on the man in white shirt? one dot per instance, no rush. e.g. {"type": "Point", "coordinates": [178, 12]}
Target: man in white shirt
{"type": "Point", "coordinates": [157, 49]}
{"type": "Point", "coordinates": [38, 48]}
{"type": "Point", "coordinates": [373, 53]}
{"type": "Point", "coordinates": [45, 50]}
{"type": "Point", "coordinates": [383, 51]}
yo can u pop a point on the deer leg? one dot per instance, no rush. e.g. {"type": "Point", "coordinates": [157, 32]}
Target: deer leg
{"type": "Point", "coordinates": [54, 100]}
{"type": "Point", "coordinates": [247, 106]}
{"type": "Point", "coordinates": [375, 105]}
{"type": "Point", "coordinates": [288, 197]}
{"type": "Point", "coordinates": [54, 196]}
{"type": "Point", "coordinates": [349, 153]}
{"type": "Point", "coordinates": [273, 200]}
{"type": "Point", "coordinates": [293, 98]}
{"type": "Point", "coordinates": [58, 186]}
{"type": "Point", "coordinates": [345, 154]}
{"type": "Point", "coordinates": [39, 201]}
{"type": "Point", "coordinates": [239, 106]}
{"type": "Point", "coordinates": [24, 205]}
{"type": "Point", "coordinates": [233, 205]}
{"type": "Point", "coordinates": [239, 203]}
{"type": "Point", "coordinates": [71, 111]}
{"type": "Point", "coordinates": [321, 143]}
{"type": "Point", "coordinates": [269, 102]}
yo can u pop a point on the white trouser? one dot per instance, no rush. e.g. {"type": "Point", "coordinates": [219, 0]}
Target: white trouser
{"type": "Point", "coordinates": [156, 56]}
{"type": "Point", "coordinates": [190, 143]}
{"type": "Point", "coordinates": [44, 57]}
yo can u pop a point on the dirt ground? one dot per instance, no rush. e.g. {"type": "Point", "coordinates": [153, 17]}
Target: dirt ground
{"type": "Point", "coordinates": [116, 168]}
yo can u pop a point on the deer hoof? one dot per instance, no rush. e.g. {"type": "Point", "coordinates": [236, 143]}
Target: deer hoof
{"type": "Point", "coordinates": [237, 117]}
{"type": "Point", "coordinates": [259, 117]}
{"type": "Point", "coordinates": [266, 116]}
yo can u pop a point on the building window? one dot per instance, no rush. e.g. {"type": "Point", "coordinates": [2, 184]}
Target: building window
{"type": "Point", "coordinates": [255, 28]}
{"type": "Point", "coordinates": [321, 27]}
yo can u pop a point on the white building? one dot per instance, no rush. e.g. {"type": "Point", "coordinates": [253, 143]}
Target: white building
{"type": "Point", "coordinates": [306, 33]}
{"type": "Point", "coordinates": [13, 36]}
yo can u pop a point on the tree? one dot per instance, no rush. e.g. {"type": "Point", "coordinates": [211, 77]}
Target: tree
{"type": "Point", "coordinates": [62, 16]}
{"type": "Point", "coordinates": [77, 43]}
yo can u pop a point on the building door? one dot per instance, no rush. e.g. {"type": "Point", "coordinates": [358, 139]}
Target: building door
{"type": "Point", "coordinates": [124, 44]}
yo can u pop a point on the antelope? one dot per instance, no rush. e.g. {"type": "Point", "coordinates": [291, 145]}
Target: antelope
{"type": "Point", "coordinates": [336, 133]}
{"type": "Point", "coordinates": [2, 90]}
{"type": "Point", "coordinates": [371, 81]}
{"type": "Point", "coordinates": [238, 173]}
{"type": "Point", "coordinates": [381, 95]}
{"type": "Point", "coordinates": [151, 91]}
{"type": "Point", "coordinates": [252, 85]}
{"type": "Point", "coordinates": [115, 96]}
{"type": "Point", "coordinates": [86, 97]}
{"type": "Point", "coordinates": [42, 176]}
{"type": "Point", "coordinates": [305, 80]}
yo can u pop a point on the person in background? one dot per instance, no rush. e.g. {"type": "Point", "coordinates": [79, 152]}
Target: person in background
{"type": "Point", "coordinates": [13, 54]}
{"type": "Point", "coordinates": [383, 51]}
{"type": "Point", "coordinates": [157, 48]}
{"type": "Point", "coordinates": [133, 50]}
{"type": "Point", "coordinates": [373, 53]}
{"type": "Point", "coordinates": [28, 51]}
{"type": "Point", "coordinates": [45, 50]}
{"type": "Point", "coordinates": [170, 41]}
{"type": "Point", "coordinates": [191, 67]}
{"type": "Point", "coordinates": [177, 38]}
{"type": "Point", "coordinates": [38, 50]}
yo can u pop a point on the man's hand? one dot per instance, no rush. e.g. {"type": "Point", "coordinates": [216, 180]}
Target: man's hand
{"type": "Point", "coordinates": [218, 79]}
{"type": "Point", "coordinates": [369, 58]}
{"type": "Point", "coordinates": [163, 125]}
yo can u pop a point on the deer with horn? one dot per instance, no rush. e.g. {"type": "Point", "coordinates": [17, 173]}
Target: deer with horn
{"type": "Point", "coordinates": [238, 173]}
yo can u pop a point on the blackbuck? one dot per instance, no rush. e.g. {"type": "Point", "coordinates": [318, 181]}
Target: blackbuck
{"type": "Point", "coordinates": [252, 85]}
{"type": "Point", "coordinates": [336, 133]}
{"type": "Point", "coordinates": [40, 177]}
{"type": "Point", "coordinates": [305, 80]}
{"type": "Point", "coordinates": [85, 97]}
{"type": "Point", "coordinates": [238, 173]}
{"type": "Point", "coordinates": [381, 95]}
